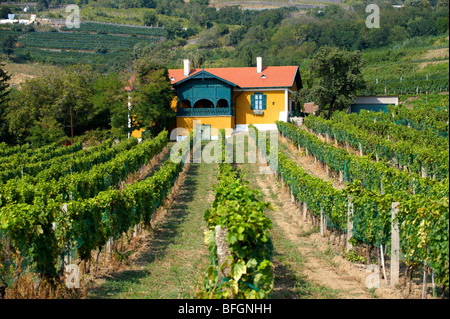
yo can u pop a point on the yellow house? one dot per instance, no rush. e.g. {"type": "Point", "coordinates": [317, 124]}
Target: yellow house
{"type": "Point", "coordinates": [233, 98]}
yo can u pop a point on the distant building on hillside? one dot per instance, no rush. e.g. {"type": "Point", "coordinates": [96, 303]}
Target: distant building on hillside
{"type": "Point", "coordinates": [14, 21]}
{"type": "Point", "coordinates": [11, 20]}
{"type": "Point", "coordinates": [373, 103]}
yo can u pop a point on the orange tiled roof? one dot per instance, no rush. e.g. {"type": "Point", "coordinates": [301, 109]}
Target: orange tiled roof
{"type": "Point", "coordinates": [271, 76]}
{"type": "Point", "coordinates": [310, 107]}
{"type": "Point", "coordinates": [130, 85]}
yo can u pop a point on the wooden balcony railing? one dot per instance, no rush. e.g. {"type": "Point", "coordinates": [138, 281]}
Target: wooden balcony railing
{"type": "Point", "coordinates": [205, 112]}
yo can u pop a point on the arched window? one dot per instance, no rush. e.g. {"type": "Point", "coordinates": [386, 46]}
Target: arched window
{"type": "Point", "coordinates": [203, 104]}
{"type": "Point", "coordinates": [185, 104]}
{"type": "Point", "coordinates": [222, 103]}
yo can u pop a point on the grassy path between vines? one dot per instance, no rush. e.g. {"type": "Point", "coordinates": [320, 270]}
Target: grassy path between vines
{"type": "Point", "coordinates": [170, 260]}
{"type": "Point", "coordinates": [306, 265]}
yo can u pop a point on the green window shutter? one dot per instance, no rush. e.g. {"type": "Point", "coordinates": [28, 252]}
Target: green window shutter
{"type": "Point", "coordinates": [264, 102]}
{"type": "Point", "coordinates": [252, 100]}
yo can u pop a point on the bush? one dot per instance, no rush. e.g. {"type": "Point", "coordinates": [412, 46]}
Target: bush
{"type": "Point", "coordinates": [46, 131]}
{"type": "Point", "coordinates": [442, 25]}
{"type": "Point", "coordinates": [101, 49]}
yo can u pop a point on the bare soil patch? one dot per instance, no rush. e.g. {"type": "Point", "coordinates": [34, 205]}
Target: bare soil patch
{"type": "Point", "coordinates": [310, 165]}
{"type": "Point", "coordinates": [424, 64]}
{"type": "Point", "coordinates": [436, 53]}
{"type": "Point", "coordinates": [20, 73]}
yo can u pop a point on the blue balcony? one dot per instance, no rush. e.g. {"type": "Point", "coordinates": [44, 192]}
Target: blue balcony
{"type": "Point", "coordinates": [205, 111]}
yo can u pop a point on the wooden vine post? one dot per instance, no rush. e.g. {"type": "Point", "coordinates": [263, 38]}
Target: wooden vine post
{"type": "Point", "coordinates": [323, 224]}
{"type": "Point", "coordinates": [395, 247]}
{"type": "Point", "coordinates": [423, 172]}
{"type": "Point", "coordinates": [223, 251]}
{"type": "Point", "coordinates": [349, 223]}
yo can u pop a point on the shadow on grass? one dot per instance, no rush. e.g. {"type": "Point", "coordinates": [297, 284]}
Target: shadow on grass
{"type": "Point", "coordinates": [162, 237]}
{"type": "Point", "coordinates": [288, 285]}
{"type": "Point", "coordinates": [166, 232]}
{"type": "Point", "coordinates": [116, 283]}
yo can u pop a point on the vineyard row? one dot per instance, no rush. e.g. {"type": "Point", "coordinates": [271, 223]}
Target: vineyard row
{"type": "Point", "coordinates": [376, 176]}
{"type": "Point", "coordinates": [423, 221]}
{"type": "Point", "coordinates": [59, 166]}
{"type": "Point", "coordinates": [420, 159]}
{"type": "Point", "coordinates": [45, 232]}
{"type": "Point", "coordinates": [237, 238]}
{"type": "Point", "coordinates": [85, 184]}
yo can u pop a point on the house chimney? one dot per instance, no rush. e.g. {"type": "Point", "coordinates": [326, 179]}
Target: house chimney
{"type": "Point", "coordinates": [187, 67]}
{"type": "Point", "coordinates": [258, 64]}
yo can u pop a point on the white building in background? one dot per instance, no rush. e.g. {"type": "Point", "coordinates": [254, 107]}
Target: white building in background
{"type": "Point", "coordinates": [9, 21]}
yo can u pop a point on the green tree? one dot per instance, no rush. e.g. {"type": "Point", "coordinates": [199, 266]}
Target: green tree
{"type": "Point", "coordinates": [33, 101]}
{"type": "Point", "coordinates": [45, 131]}
{"type": "Point", "coordinates": [237, 35]}
{"type": "Point", "coordinates": [397, 34]}
{"type": "Point", "coordinates": [290, 36]}
{"type": "Point", "coordinates": [200, 2]}
{"type": "Point", "coordinates": [42, 5]}
{"type": "Point", "coordinates": [209, 38]}
{"type": "Point", "coordinates": [152, 98]}
{"type": "Point", "coordinates": [297, 99]}
{"type": "Point", "coordinates": [336, 78]}
{"type": "Point", "coordinates": [150, 18]}
{"type": "Point", "coordinates": [442, 4]}
{"type": "Point", "coordinates": [421, 26]}
{"type": "Point", "coordinates": [196, 58]}
{"type": "Point", "coordinates": [4, 92]}
{"type": "Point", "coordinates": [247, 57]}
{"type": "Point", "coordinates": [4, 11]}
{"type": "Point", "coordinates": [67, 97]}
{"type": "Point", "coordinates": [172, 28]}
{"type": "Point", "coordinates": [77, 96]}
{"type": "Point", "coordinates": [101, 49]}
{"type": "Point", "coordinates": [74, 100]}
{"type": "Point", "coordinates": [420, 4]}
{"type": "Point", "coordinates": [442, 24]}
{"type": "Point", "coordinates": [8, 44]}
{"type": "Point", "coordinates": [110, 103]}
{"type": "Point", "coordinates": [4, 84]}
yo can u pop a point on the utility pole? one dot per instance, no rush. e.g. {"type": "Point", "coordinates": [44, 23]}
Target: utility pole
{"type": "Point", "coordinates": [71, 123]}
{"type": "Point", "coordinates": [129, 115]}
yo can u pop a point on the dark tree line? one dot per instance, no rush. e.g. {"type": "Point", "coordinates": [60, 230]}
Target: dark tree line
{"type": "Point", "coordinates": [48, 108]}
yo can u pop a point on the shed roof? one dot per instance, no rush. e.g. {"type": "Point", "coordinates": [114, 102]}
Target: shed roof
{"type": "Point", "coordinates": [310, 107]}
